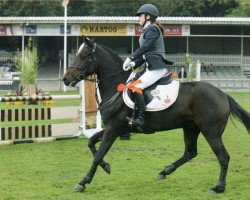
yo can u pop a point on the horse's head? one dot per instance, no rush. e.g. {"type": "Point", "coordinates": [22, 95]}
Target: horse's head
{"type": "Point", "coordinates": [84, 64]}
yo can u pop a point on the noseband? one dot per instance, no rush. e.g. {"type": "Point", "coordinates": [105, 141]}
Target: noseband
{"type": "Point", "coordinates": [85, 68]}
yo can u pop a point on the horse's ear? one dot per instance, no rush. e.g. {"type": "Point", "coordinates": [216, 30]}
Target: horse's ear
{"type": "Point", "coordinates": [88, 41]}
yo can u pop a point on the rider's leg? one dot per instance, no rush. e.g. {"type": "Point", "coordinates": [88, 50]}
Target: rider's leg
{"type": "Point", "coordinates": [140, 107]}
{"type": "Point", "coordinates": [147, 79]}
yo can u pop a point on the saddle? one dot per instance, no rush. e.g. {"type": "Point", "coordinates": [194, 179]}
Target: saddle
{"type": "Point", "coordinates": [158, 96]}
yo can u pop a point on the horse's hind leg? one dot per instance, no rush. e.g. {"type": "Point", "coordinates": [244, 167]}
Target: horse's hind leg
{"type": "Point", "coordinates": [190, 138]}
{"type": "Point", "coordinates": [97, 137]}
{"type": "Point", "coordinates": [223, 157]}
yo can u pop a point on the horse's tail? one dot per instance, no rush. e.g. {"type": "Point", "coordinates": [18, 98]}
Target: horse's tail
{"type": "Point", "coordinates": [238, 112]}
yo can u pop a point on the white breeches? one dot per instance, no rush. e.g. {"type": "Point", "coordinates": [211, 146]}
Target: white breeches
{"type": "Point", "coordinates": [150, 77]}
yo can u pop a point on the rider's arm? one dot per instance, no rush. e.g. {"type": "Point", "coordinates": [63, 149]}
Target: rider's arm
{"type": "Point", "coordinates": [139, 62]}
{"type": "Point", "coordinates": [150, 37]}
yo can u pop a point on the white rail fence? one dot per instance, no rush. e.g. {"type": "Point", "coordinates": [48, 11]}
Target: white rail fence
{"type": "Point", "coordinates": [78, 128]}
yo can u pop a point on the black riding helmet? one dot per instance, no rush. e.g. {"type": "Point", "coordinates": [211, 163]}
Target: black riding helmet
{"type": "Point", "coordinates": [148, 8]}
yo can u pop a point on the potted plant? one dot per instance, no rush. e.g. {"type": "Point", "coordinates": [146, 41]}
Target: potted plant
{"type": "Point", "coordinates": [28, 67]}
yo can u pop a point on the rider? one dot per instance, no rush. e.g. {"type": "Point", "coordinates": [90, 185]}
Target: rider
{"type": "Point", "coordinates": [152, 53]}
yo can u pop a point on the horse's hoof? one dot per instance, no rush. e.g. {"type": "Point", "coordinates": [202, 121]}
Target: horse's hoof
{"type": "Point", "coordinates": [217, 189]}
{"type": "Point", "coordinates": [79, 188]}
{"type": "Point", "coordinates": [107, 168]}
{"type": "Point", "coordinates": [161, 177]}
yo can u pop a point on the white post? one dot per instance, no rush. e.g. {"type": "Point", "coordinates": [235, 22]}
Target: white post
{"type": "Point", "coordinates": [198, 71]}
{"type": "Point", "coordinates": [23, 26]}
{"type": "Point", "coordinates": [82, 109]}
{"type": "Point", "coordinates": [98, 114]}
{"type": "Point", "coordinates": [65, 3]}
{"type": "Point", "coordinates": [190, 71]}
{"type": "Point", "coordinates": [182, 74]}
{"type": "Point", "coordinates": [60, 74]}
{"type": "Point", "coordinates": [98, 120]}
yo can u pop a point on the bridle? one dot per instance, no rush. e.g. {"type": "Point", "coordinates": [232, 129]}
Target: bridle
{"type": "Point", "coordinates": [82, 76]}
{"type": "Point", "coordinates": [90, 61]}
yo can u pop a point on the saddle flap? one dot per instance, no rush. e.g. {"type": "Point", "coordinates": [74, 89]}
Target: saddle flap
{"type": "Point", "coordinates": [157, 97]}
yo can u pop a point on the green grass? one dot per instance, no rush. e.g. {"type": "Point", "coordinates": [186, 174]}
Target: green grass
{"type": "Point", "coordinates": [50, 170]}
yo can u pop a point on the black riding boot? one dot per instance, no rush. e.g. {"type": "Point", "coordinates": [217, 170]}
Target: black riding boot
{"type": "Point", "coordinates": [139, 118]}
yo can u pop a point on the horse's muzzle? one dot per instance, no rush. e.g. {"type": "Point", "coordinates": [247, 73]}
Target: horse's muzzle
{"type": "Point", "coordinates": [65, 81]}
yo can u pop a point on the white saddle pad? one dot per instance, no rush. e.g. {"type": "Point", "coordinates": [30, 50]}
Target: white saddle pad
{"type": "Point", "coordinates": [163, 97]}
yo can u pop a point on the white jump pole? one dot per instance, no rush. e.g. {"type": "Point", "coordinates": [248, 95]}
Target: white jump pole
{"type": "Point", "coordinates": [198, 71]}
{"type": "Point", "coordinates": [87, 132]}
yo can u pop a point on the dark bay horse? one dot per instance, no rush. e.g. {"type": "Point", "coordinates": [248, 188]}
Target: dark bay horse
{"type": "Point", "coordinates": [199, 108]}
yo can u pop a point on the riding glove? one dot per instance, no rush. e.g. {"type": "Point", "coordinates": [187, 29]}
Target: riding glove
{"type": "Point", "coordinates": [128, 64]}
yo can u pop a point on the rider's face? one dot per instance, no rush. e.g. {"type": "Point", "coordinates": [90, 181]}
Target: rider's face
{"type": "Point", "coordinates": [141, 19]}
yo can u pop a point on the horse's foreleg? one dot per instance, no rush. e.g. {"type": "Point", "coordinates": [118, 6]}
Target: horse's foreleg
{"type": "Point", "coordinates": [190, 138]}
{"type": "Point", "coordinates": [108, 139]}
{"type": "Point", "coordinates": [97, 137]}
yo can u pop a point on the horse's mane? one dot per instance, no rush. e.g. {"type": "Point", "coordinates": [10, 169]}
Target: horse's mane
{"type": "Point", "coordinates": [113, 54]}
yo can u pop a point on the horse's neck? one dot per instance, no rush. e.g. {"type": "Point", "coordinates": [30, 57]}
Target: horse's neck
{"type": "Point", "coordinates": [108, 86]}
{"type": "Point", "coordinates": [109, 76]}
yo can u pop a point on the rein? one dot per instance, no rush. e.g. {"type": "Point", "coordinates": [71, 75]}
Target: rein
{"type": "Point", "coordinates": [100, 80]}
{"type": "Point", "coordinates": [101, 105]}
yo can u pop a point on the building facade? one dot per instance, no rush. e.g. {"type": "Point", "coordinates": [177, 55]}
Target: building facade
{"type": "Point", "coordinates": [194, 35]}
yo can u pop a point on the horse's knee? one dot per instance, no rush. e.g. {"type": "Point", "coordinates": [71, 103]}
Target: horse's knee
{"type": "Point", "coordinates": [90, 143]}
{"type": "Point", "coordinates": [93, 140]}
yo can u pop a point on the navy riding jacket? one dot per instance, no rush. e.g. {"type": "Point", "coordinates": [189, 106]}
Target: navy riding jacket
{"type": "Point", "coordinates": [151, 49]}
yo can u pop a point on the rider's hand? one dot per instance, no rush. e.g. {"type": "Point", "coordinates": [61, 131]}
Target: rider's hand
{"type": "Point", "coordinates": [132, 64]}
{"type": "Point", "coordinates": [127, 64]}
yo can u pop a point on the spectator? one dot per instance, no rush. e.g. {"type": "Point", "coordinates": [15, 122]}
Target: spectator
{"type": "Point", "coordinates": [203, 67]}
{"type": "Point", "coordinates": [207, 69]}
{"type": "Point", "coordinates": [10, 66]}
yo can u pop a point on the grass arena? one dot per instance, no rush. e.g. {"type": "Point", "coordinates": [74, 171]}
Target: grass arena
{"type": "Point", "coordinates": [49, 170]}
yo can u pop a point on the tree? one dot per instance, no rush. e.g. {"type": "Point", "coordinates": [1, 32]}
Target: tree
{"type": "Point", "coordinates": [80, 7]}
{"type": "Point", "coordinates": [242, 11]}
{"type": "Point", "coordinates": [198, 8]}
{"type": "Point", "coordinates": [115, 8]}
{"type": "Point", "coordinates": [219, 8]}
{"type": "Point", "coordinates": [30, 8]}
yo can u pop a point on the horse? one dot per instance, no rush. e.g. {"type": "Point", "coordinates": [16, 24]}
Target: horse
{"type": "Point", "coordinates": [199, 108]}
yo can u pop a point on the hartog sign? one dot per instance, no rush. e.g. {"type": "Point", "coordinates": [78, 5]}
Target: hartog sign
{"type": "Point", "coordinates": [104, 30]}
